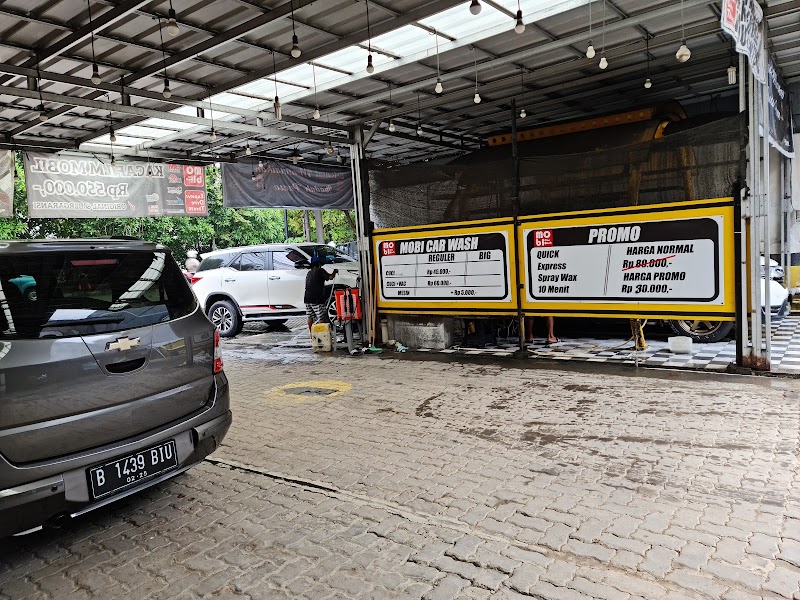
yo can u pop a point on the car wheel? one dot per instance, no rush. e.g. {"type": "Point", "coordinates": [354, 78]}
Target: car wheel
{"type": "Point", "coordinates": [31, 294]}
{"type": "Point", "coordinates": [332, 309]}
{"type": "Point", "coordinates": [225, 317]}
{"type": "Point", "coordinates": [702, 331]}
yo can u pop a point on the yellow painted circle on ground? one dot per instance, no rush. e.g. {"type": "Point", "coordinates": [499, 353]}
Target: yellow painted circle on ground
{"type": "Point", "coordinates": [307, 391]}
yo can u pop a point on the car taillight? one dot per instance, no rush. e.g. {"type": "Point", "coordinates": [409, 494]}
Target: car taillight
{"type": "Point", "coordinates": [194, 278]}
{"type": "Point", "coordinates": [217, 353]}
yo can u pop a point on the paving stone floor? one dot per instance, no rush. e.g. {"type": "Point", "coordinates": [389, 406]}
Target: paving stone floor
{"type": "Point", "coordinates": [394, 477]}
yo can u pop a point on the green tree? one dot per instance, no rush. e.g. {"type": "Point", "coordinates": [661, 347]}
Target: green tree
{"type": "Point", "coordinates": [222, 228]}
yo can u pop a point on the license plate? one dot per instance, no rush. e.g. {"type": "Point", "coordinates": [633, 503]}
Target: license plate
{"type": "Point", "coordinates": [134, 468]}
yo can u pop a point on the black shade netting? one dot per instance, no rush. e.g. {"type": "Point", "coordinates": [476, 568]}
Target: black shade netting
{"type": "Point", "coordinates": [690, 161]}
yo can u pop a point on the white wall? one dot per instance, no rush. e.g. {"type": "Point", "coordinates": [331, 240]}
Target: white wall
{"type": "Point", "coordinates": [793, 239]}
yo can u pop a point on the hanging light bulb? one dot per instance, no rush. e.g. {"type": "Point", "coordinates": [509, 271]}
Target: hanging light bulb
{"type": "Point", "coordinates": [731, 75]}
{"type": "Point", "coordinates": [316, 116]}
{"type": "Point", "coordinates": [603, 62]}
{"type": "Point", "coordinates": [522, 114]}
{"type": "Point", "coordinates": [419, 129]}
{"type": "Point", "coordinates": [296, 52]}
{"type": "Point", "coordinates": [16, 174]}
{"type": "Point", "coordinates": [392, 128]}
{"type": "Point", "coordinates": [166, 92]}
{"type": "Point", "coordinates": [149, 171]}
{"type": "Point", "coordinates": [329, 149]}
{"type": "Point", "coordinates": [647, 83]}
{"type": "Point", "coordinates": [253, 176]}
{"type": "Point", "coordinates": [43, 116]}
{"type": "Point", "coordinates": [96, 75]}
{"type": "Point", "coordinates": [172, 23]}
{"type": "Point", "coordinates": [438, 88]}
{"type": "Point", "coordinates": [590, 53]}
{"type": "Point", "coordinates": [475, 7]}
{"type": "Point", "coordinates": [520, 26]}
{"type": "Point", "coordinates": [260, 164]}
{"type": "Point", "coordinates": [112, 136]}
{"type": "Point", "coordinates": [213, 135]}
{"type": "Point", "coordinates": [370, 68]}
{"type": "Point", "coordinates": [339, 158]}
{"type": "Point", "coordinates": [248, 151]}
{"type": "Point", "coordinates": [113, 161]}
{"type": "Point", "coordinates": [683, 54]}
{"type": "Point", "coordinates": [476, 98]}
{"type": "Point", "coordinates": [277, 108]}
{"type": "Point", "coordinates": [295, 156]}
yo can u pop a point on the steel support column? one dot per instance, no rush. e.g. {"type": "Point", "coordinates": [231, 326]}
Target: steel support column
{"type": "Point", "coordinates": [742, 328]}
{"type": "Point", "coordinates": [766, 224]}
{"type": "Point", "coordinates": [363, 237]}
{"type": "Point", "coordinates": [318, 223]}
{"type": "Point", "coordinates": [518, 288]}
{"type": "Point", "coordinates": [754, 229]}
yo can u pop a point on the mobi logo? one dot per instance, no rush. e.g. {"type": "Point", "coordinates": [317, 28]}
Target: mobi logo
{"type": "Point", "coordinates": [729, 12]}
{"type": "Point", "coordinates": [543, 238]}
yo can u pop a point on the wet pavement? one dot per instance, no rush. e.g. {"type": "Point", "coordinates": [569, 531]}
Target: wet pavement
{"type": "Point", "coordinates": [400, 476]}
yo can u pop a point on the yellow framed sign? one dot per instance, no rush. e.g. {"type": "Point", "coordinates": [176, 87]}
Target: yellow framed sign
{"type": "Point", "coordinates": [456, 268]}
{"type": "Point", "coordinates": [663, 261]}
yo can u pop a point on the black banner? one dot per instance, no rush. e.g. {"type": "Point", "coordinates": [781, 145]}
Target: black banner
{"type": "Point", "coordinates": [780, 112]}
{"type": "Point", "coordinates": [274, 184]}
{"type": "Point", "coordinates": [83, 188]}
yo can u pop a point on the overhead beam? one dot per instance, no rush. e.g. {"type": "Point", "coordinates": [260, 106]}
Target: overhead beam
{"type": "Point", "coordinates": [157, 114]}
{"type": "Point", "coordinates": [372, 131]}
{"type": "Point", "coordinates": [97, 23]}
{"type": "Point", "coordinates": [628, 23]}
{"type": "Point", "coordinates": [140, 93]}
{"type": "Point", "coordinates": [215, 41]}
{"type": "Point", "coordinates": [422, 12]}
{"type": "Point", "coordinates": [511, 84]}
{"type": "Point", "coordinates": [218, 40]}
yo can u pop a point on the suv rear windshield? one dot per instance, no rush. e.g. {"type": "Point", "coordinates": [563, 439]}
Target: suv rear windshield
{"type": "Point", "coordinates": [215, 262]}
{"type": "Point", "coordinates": [326, 254]}
{"type": "Point", "coordinates": [60, 294]}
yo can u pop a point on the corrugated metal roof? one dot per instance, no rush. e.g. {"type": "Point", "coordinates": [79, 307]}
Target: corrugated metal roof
{"type": "Point", "coordinates": [225, 50]}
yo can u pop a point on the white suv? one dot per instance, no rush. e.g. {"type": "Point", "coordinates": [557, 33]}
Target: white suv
{"type": "Point", "coordinates": [264, 283]}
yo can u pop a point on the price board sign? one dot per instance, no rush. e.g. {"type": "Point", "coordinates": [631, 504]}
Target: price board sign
{"type": "Point", "coordinates": [446, 268]}
{"type": "Point", "coordinates": [666, 260]}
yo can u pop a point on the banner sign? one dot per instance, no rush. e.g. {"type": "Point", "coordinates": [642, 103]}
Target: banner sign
{"type": "Point", "coordinates": [780, 112]}
{"type": "Point", "coordinates": [84, 188]}
{"type": "Point", "coordinates": [662, 260]}
{"type": "Point", "coordinates": [743, 20]}
{"type": "Point", "coordinates": [644, 261]}
{"type": "Point", "coordinates": [6, 184]}
{"type": "Point", "coordinates": [278, 184]}
{"type": "Point", "coordinates": [443, 268]}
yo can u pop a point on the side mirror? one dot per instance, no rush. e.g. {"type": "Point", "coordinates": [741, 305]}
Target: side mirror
{"type": "Point", "coordinates": [302, 264]}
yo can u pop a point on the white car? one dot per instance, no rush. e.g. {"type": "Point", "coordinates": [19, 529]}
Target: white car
{"type": "Point", "coordinates": [712, 331]}
{"type": "Point", "coordinates": [265, 283]}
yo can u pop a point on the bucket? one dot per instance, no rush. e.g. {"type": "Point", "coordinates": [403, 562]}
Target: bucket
{"type": "Point", "coordinates": [321, 340]}
{"type": "Point", "coordinates": [680, 344]}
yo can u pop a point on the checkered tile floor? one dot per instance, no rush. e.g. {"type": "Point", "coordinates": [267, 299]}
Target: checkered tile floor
{"type": "Point", "coordinates": [715, 357]}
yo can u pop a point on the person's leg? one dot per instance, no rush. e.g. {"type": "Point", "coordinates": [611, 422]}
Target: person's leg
{"type": "Point", "coordinates": [551, 336]}
{"type": "Point", "coordinates": [528, 329]}
{"type": "Point", "coordinates": [322, 313]}
{"type": "Point", "coordinates": [310, 315]}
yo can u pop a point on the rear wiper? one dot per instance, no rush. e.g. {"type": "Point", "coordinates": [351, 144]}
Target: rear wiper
{"type": "Point", "coordinates": [87, 321]}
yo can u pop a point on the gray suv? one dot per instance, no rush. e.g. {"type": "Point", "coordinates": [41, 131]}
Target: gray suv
{"type": "Point", "coordinates": [111, 377]}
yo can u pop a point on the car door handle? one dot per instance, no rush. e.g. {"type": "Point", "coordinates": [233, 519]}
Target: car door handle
{"type": "Point", "coordinates": [229, 279]}
{"type": "Point", "coordinates": [274, 277]}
